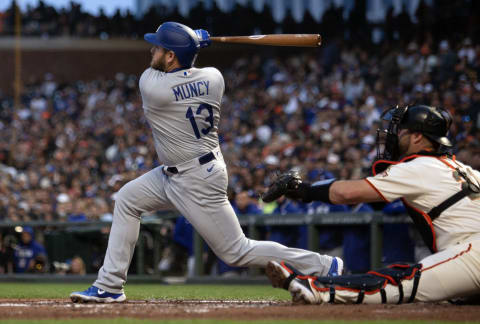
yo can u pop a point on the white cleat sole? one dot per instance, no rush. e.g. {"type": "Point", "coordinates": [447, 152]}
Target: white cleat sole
{"type": "Point", "coordinates": [77, 298]}
{"type": "Point", "coordinates": [301, 294]}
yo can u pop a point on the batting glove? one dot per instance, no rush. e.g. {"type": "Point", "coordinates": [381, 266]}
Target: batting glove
{"type": "Point", "coordinates": [203, 37]}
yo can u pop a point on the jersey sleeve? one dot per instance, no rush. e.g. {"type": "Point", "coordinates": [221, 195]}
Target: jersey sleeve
{"type": "Point", "coordinates": [221, 83]}
{"type": "Point", "coordinates": [143, 79]}
{"type": "Point", "coordinates": [403, 180]}
{"type": "Point", "coordinates": [142, 83]}
{"type": "Point", "coordinates": [217, 77]}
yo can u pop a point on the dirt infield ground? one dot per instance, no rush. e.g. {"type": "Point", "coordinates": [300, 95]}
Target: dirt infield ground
{"type": "Point", "coordinates": [237, 310]}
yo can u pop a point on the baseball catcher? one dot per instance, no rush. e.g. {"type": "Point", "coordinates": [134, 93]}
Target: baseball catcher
{"type": "Point", "coordinates": [442, 196]}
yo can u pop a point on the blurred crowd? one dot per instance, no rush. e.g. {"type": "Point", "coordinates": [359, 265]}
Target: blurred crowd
{"type": "Point", "coordinates": [322, 113]}
{"type": "Point", "coordinates": [70, 147]}
{"type": "Point", "coordinates": [443, 19]}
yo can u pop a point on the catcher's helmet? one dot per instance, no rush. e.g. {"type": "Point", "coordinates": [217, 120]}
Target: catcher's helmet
{"type": "Point", "coordinates": [432, 122]}
{"type": "Point", "coordinates": [178, 38]}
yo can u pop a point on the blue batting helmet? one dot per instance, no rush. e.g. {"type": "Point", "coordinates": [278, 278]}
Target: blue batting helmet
{"type": "Point", "coordinates": [178, 38]}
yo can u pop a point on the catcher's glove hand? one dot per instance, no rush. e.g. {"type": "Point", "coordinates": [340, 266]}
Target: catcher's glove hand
{"type": "Point", "coordinates": [285, 184]}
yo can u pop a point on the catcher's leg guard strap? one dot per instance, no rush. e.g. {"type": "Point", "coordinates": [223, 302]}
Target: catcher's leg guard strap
{"type": "Point", "coordinates": [400, 293]}
{"type": "Point", "coordinates": [361, 295]}
{"type": "Point", "coordinates": [343, 288]}
{"type": "Point", "coordinates": [416, 280]}
{"type": "Point", "coordinates": [287, 281]}
{"type": "Point", "coordinates": [293, 274]}
{"type": "Point", "coordinates": [332, 294]}
{"type": "Point", "coordinates": [384, 295]}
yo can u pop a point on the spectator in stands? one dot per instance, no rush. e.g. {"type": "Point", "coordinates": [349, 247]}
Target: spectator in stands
{"type": "Point", "coordinates": [244, 203]}
{"type": "Point", "coordinates": [29, 255]}
{"type": "Point", "coordinates": [77, 266]}
{"type": "Point", "coordinates": [78, 211]}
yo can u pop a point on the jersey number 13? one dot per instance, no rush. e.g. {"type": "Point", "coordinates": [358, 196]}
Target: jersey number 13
{"type": "Point", "coordinates": [190, 116]}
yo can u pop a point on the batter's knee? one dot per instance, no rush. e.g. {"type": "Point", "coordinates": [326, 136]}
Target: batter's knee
{"type": "Point", "coordinates": [234, 253]}
{"type": "Point", "coordinates": [124, 193]}
{"type": "Point", "coordinates": [124, 200]}
{"type": "Point", "coordinates": [230, 259]}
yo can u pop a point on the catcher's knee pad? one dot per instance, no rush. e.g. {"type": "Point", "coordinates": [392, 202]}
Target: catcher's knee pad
{"type": "Point", "coordinates": [372, 282]}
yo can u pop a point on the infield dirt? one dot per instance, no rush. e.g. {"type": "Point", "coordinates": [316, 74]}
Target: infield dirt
{"type": "Point", "coordinates": [235, 310]}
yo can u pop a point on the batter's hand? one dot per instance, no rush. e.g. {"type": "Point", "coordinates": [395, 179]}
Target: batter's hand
{"type": "Point", "coordinates": [203, 37]}
{"type": "Point", "coordinates": [285, 184]}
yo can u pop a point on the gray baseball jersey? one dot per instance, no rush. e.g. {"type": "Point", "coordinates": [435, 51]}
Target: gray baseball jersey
{"type": "Point", "coordinates": [183, 110]}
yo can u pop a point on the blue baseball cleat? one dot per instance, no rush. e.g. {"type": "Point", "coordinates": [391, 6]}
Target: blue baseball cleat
{"type": "Point", "coordinates": [95, 294]}
{"type": "Point", "coordinates": [336, 269]}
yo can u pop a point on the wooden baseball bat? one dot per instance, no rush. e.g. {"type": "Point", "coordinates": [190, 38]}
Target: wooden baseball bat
{"type": "Point", "coordinates": [303, 40]}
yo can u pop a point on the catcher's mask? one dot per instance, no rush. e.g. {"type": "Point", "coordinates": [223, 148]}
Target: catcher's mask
{"type": "Point", "coordinates": [432, 122]}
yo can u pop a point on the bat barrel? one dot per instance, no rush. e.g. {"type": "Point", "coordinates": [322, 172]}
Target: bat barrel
{"type": "Point", "coordinates": [302, 40]}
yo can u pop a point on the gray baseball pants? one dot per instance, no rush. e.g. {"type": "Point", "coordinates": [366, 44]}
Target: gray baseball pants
{"type": "Point", "coordinates": [199, 192]}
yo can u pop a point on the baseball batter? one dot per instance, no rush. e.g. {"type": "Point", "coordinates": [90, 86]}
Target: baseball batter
{"type": "Point", "coordinates": [442, 196]}
{"type": "Point", "coordinates": [182, 106]}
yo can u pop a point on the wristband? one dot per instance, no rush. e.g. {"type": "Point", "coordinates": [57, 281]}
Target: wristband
{"type": "Point", "coordinates": [319, 191]}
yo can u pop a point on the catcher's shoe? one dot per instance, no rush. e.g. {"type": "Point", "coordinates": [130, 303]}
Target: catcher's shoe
{"type": "Point", "coordinates": [95, 294]}
{"type": "Point", "coordinates": [284, 276]}
{"type": "Point", "coordinates": [281, 274]}
{"type": "Point", "coordinates": [303, 292]}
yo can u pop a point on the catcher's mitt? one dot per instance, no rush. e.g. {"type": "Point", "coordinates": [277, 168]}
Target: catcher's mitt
{"type": "Point", "coordinates": [283, 184]}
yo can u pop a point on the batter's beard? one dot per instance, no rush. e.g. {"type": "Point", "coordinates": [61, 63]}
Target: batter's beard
{"type": "Point", "coordinates": [158, 65]}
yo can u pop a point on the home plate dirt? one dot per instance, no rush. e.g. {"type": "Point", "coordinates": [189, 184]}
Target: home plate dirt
{"type": "Point", "coordinates": [238, 310]}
